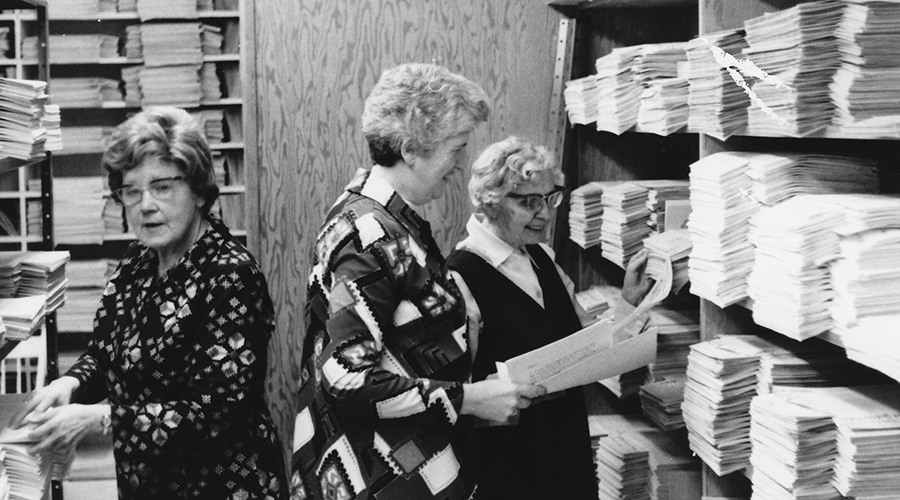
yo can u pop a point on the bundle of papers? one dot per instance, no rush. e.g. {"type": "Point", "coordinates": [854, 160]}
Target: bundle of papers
{"type": "Point", "coordinates": [51, 121]}
{"type": "Point", "coordinates": [623, 469]}
{"type": "Point", "coordinates": [78, 208]}
{"type": "Point", "coordinates": [209, 83]}
{"type": "Point", "coordinates": [619, 92]}
{"type": "Point", "coordinates": [864, 88]}
{"type": "Point", "coordinates": [113, 218]}
{"type": "Point", "coordinates": [866, 275]}
{"type": "Point", "coordinates": [211, 39]}
{"type": "Point", "coordinates": [598, 299]}
{"type": "Point", "coordinates": [872, 340]}
{"type": "Point", "coordinates": [172, 44]}
{"type": "Point", "coordinates": [721, 257]}
{"type": "Point", "coordinates": [672, 249]}
{"type": "Point", "coordinates": [718, 105]}
{"type": "Point", "coordinates": [171, 85]}
{"type": "Point", "coordinates": [172, 9]}
{"type": "Point", "coordinates": [582, 97]}
{"type": "Point", "coordinates": [624, 221]}
{"type": "Point", "coordinates": [44, 273]}
{"type": "Point", "coordinates": [131, 77]}
{"type": "Point", "coordinates": [4, 41]}
{"type": "Point", "coordinates": [10, 273]}
{"type": "Point", "coordinates": [627, 383]}
{"type": "Point", "coordinates": [585, 210]}
{"type": "Point", "coordinates": [660, 61]}
{"type": "Point", "coordinates": [866, 211]}
{"type": "Point", "coordinates": [789, 283]}
{"type": "Point", "coordinates": [664, 107]}
{"type": "Point", "coordinates": [85, 92]}
{"type": "Point", "coordinates": [87, 280]}
{"type": "Point", "coordinates": [87, 139]}
{"type": "Point", "coordinates": [62, 9]}
{"type": "Point", "coordinates": [70, 49]}
{"type": "Point", "coordinates": [661, 402]}
{"type": "Point", "coordinates": [797, 48]}
{"type": "Point", "coordinates": [23, 316]}
{"type": "Point", "coordinates": [134, 48]}
{"type": "Point", "coordinates": [778, 177]}
{"type": "Point", "coordinates": [212, 121]}
{"type": "Point", "coordinates": [21, 112]}
{"type": "Point", "coordinates": [676, 331]}
{"type": "Point", "coordinates": [658, 193]}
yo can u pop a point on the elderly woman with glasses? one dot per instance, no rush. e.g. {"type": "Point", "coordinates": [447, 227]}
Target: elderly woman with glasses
{"type": "Point", "coordinates": [180, 339]}
{"type": "Point", "coordinates": [518, 300]}
{"type": "Point", "coordinates": [384, 381]}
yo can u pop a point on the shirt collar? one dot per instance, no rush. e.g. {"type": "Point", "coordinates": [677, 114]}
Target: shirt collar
{"type": "Point", "coordinates": [485, 243]}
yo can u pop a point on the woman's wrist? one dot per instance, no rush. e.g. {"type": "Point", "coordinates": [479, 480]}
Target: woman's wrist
{"type": "Point", "coordinates": [105, 421]}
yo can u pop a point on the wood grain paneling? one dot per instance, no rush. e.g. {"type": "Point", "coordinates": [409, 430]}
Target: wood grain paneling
{"type": "Point", "coordinates": [315, 63]}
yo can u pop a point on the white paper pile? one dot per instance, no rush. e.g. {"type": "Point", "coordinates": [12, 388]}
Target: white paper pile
{"type": "Point", "coordinates": [21, 472]}
{"type": "Point", "coordinates": [211, 38]}
{"type": "Point", "coordinates": [209, 83]}
{"type": "Point", "coordinates": [794, 448]}
{"type": "Point", "coordinates": [624, 221]}
{"type": "Point", "coordinates": [87, 280]}
{"type": "Point", "coordinates": [669, 249]}
{"type": "Point", "coordinates": [664, 106]}
{"type": "Point", "coordinates": [44, 273]}
{"type": "Point", "coordinates": [78, 210]}
{"type": "Point", "coordinates": [623, 469]}
{"type": "Point", "coordinates": [658, 193]}
{"type": "Point", "coordinates": [718, 105]}
{"type": "Point", "coordinates": [721, 257]}
{"type": "Point", "coordinates": [865, 278]}
{"type": "Point", "coordinates": [68, 49]}
{"type": "Point", "coordinates": [619, 92]}
{"type": "Point", "coordinates": [778, 177]}
{"type": "Point", "coordinates": [582, 97]}
{"type": "Point", "coordinates": [51, 121]}
{"type": "Point", "coordinates": [212, 121]}
{"type": "Point", "coordinates": [872, 340]}
{"type": "Point", "coordinates": [596, 300]}
{"type": "Point", "coordinates": [113, 218]}
{"type": "Point", "coordinates": [10, 273]}
{"type": "Point", "coordinates": [659, 61]}
{"type": "Point", "coordinates": [798, 47]}
{"type": "Point", "coordinates": [865, 86]}
{"type": "Point", "coordinates": [661, 402]}
{"type": "Point", "coordinates": [61, 9]}
{"type": "Point", "coordinates": [131, 77]}
{"type": "Point", "coordinates": [585, 210]}
{"type": "Point", "coordinates": [676, 331]}
{"type": "Point", "coordinates": [85, 92]}
{"type": "Point", "coordinates": [87, 139]}
{"type": "Point", "coordinates": [171, 85]}
{"type": "Point", "coordinates": [789, 283]}
{"type": "Point", "coordinates": [171, 9]}
{"type": "Point", "coordinates": [21, 111]}
{"type": "Point", "coordinates": [23, 316]}
{"type": "Point", "coordinates": [172, 44]}
{"type": "Point", "coordinates": [134, 48]}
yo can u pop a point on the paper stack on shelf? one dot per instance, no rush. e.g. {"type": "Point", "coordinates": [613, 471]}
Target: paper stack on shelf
{"type": "Point", "coordinates": [231, 206]}
{"type": "Point", "coordinates": [51, 121]}
{"type": "Point", "coordinates": [87, 280]}
{"type": "Point", "coordinates": [209, 82]}
{"type": "Point", "coordinates": [21, 109]}
{"type": "Point", "coordinates": [671, 248]}
{"type": "Point", "coordinates": [619, 92]}
{"type": "Point", "coordinates": [62, 9]}
{"type": "Point", "coordinates": [623, 469]}
{"type": "Point", "coordinates": [113, 218]}
{"type": "Point", "coordinates": [627, 383]}
{"type": "Point", "coordinates": [718, 105]}
{"type": "Point", "coordinates": [78, 209]}
{"type": "Point", "coordinates": [721, 257]}
{"type": "Point", "coordinates": [865, 86]}
{"type": "Point", "coordinates": [778, 177]}
{"type": "Point", "coordinates": [865, 276]}
{"type": "Point", "coordinates": [661, 402]}
{"type": "Point", "coordinates": [596, 300]}
{"type": "Point", "coordinates": [131, 77]}
{"type": "Point", "coordinates": [794, 448]}
{"type": "Point", "coordinates": [134, 48]}
{"type": "Point", "coordinates": [659, 61]}
{"type": "Point", "coordinates": [87, 139]}
{"type": "Point", "coordinates": [658, 193]}
{"type": "Point", "coordinates": [85, 92]}
{"type": "Point", "coordinates": [4, 41]}
{"type": "Point", "coordinates": [173, 58]}
{"type": "Point", "coordinates": [68, 49]}
{"type": "Point", "coordinates": [23, 316]}
{"type": "Point", "coordinates": [789, 283]}
{"type": "Point", "coordinates": [213, 123]}
{"type": "Point", "coordinates": [676, 331]}
{"type": "Point", "coordinates": [127, 5]}
{"type": "Point", "coordinates": [211, 38]}
{"type": "Point", "coordinates": [10, 273]}
{"type": "Point", "coordinates": [582, 97]}
{"type": "Point", "coordinates": [171, 86]}
{"type": "Point", "coordinates": [585, 210]}
{"type": "Point", "coordinates": [624, 221]}
{"type": "Point", "coordinates": [44, 273]}
{"type": "Point", "coordinates": [664, 106]}
{"type": "Point", "coordinates": [171, 9]}
{"type": "Point", "coordinates": [798, 47]}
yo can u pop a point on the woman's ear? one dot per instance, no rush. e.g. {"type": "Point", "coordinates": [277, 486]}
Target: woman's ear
{"type": "Point", "coordinates": [490, 210]}
{"type": "Point", "coordinates": [408, 153]}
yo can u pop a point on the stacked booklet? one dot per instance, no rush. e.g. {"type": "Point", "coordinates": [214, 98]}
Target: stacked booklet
{"type": "Point", "coordinates": [619, 92]}
{"type": "Point", "coordinates": [582, 97]}
{"type": "Point", "coordinates": [44, 273]}
{"type": "Point", "coordinates": [172, 9]}
{"type": "Point", "coordinates": [669, 249]}
{"type": "Point", "coordinates": [658, 193]}
{"type": "Point", "coordinates": [718, 105]}
{"type": "Point", "coordinates": [660, 69]}
{"type": "Point", "coordinates": [661, 402]}
{"type": "Point", "coordinates": [90, 92]}
{"type": "Point", "coordinates": [624, 221]}
{"type": "Point", "coordinates": [585, 211]}
{"type": "Point", "coordinates": [623, 469]}
{"type": "Point", "coordinates": [23, 316]}
{"type": "Point", "coordinates": [173, 60]}
{"type": "Point", "coordinates": [22, 134]}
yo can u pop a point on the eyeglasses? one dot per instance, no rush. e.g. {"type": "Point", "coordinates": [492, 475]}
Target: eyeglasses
{"type": "Point", "coordinates": [159, 189]}
{"type": "Point", "coordinates": [534, 201]}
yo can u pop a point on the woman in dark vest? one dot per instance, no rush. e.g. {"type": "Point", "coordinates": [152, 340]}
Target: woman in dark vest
{"type": "Point", "coordinates": [518, 299]}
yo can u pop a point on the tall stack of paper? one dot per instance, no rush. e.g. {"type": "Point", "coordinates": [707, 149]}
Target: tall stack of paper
{"type": "Point", "coordinates": [22, 109]}
{"type": "Point", "coordinates": [658, 193]}
{"type": "Point", "coordinates": [4, 41]}
{"type": "Point", "coordinates": [659, 61]}
{"type": "Point", "coordinates": [721, 257]}
{"type": "Point", "coordinates": [171, 85]}
{"type": "Point", "coordinates": [68, 49]}
{"type": "Point", "coordinates": [794, 449]}
{"type": "Point", "coordinates": [718, 105]}
{"type": "Point", "coordinates": [663, 107]}
{"type": "Point", "coordinates": [172, 9]}
{"type": "Point", "coordinates": [173, 58]}
{"type": "Point", "coordinates": [10, 273]}
{"type": "Point", "coordinates": [78, 210]}
{"type": "Point", "coordinates": [88, 139]}
{"type": "Point", "coordinates": [864, 87]}
{"type": "Point", "coordinates": [778, 177]}
{"type": "Point", "coordinates": [51, 121]}
{"type": "Point", "coordinates": [87, 280]}
{"type": "Point", "coordinates": [211, 38]}
{"type": "Point", "coordinates": [61, 9]}
{"type": "Point", "coordinates": [798, 47]}
{"type": "Point", "coordinates": [623, 469]}
{"type": "Point", "coordinates": [23, 316]}
{"type": "Point", "coordinates": [661, 402]}
{"type": "Point", "coordinates": [44, 273]}
{"type": "Point", "coordinates": [619, 92]}
{"type": "Point", "coordinates": [131, 77]}
{"type": "Point", "coordinates": [865, 276]}
{"type": "Point", "coordinates": [209, 82]}
{"type": "Point", "coordinates": [720, 385]}
{"type": "Point", "coordinates": [585, 211]}
{"type": "Point", "coordinates": [624, 221]}
{"type": "Point", "coordinates": [113, 218]}
{"type": "Point", "coordinates": [676, 331]}
{"type": "Point", "coordinates": [134, 48]}
{"type": "Point", "coordinates": [22, 472]}
{"type": "Point", "coordinates": [85, 92]}
{"type": "Point", "coordinates": [789, 283]}
{"type": "Point", "coordinates": [873, 341]}
{"type": "Point", "coordinates": [669, 249]}
{"type": "Point", "coordinates": [582, 97]}
{"type": "Point", "coordinates": [212, 121]}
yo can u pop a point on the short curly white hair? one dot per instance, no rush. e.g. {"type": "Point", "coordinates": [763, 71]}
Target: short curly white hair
{"type": "Point", "coordinates": [503, 165]}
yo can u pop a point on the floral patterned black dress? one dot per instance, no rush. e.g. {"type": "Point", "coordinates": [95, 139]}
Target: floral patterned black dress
{"type": "Point", "coordinates": [182, 360]}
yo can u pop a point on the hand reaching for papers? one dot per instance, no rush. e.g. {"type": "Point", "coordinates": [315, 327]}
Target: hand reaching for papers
{"type": "Point", "coordinates": [498, 401]}
{"type": "Point", "coordinates": [637, 282]}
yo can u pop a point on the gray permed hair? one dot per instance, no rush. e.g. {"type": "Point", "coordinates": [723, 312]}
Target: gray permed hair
{"type": "Point", "coordinates": [503, 165]}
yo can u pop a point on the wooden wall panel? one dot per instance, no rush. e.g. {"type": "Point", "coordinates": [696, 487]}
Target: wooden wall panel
{"type": "Point", "coordinates": [315, 63]}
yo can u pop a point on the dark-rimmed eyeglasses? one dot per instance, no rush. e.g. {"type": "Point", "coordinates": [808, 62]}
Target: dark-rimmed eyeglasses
{"type": "Point", "coordinates": [159, 189]}
{"type": "Point", "coordinates": [535, 201]}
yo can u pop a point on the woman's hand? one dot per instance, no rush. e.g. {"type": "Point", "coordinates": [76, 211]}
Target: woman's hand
{"type": "Point", "coordinates": [57, 393]}
{"type": "Point", "coordinates": [495, 400]}
{"type": "Point", "coordinates": [62, 427]}
{"type": "Point", "coordinates": [637, 283]}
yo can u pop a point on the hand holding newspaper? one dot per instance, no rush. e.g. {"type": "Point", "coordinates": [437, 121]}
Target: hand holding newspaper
{"type": "Point", "coordinates": [592, 353]}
